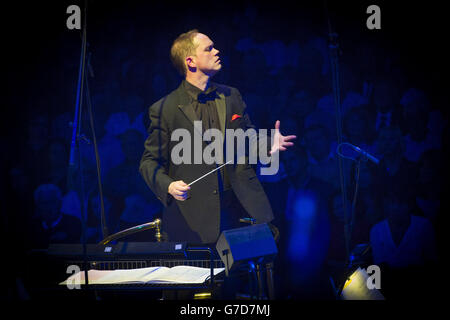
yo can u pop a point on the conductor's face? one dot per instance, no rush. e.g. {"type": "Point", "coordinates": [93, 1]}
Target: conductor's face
{"type": "Point", "coordinates": [206, 56]}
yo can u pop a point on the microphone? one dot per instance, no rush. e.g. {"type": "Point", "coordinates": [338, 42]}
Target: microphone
{"type": "Point", "coordinates": [365, 154]}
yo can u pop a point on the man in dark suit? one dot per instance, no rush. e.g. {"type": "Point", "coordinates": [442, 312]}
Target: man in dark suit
{"type": "Point", "coordinates": [198, 213]}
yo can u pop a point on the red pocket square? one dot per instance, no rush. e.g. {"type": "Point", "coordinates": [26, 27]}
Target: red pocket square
{"type": "Point", "coordinates": [235, 116]}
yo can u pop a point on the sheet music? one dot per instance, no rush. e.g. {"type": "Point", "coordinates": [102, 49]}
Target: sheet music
{"type": "Point", "coordinates": [181, 274]}
{"type": "Point", "coordinates": [124, 275]}
{"type": "Point", "coordinates": [178, 274]}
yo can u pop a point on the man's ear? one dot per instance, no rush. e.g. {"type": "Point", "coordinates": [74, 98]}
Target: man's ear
{"type": "Point", "coordinates": [190, 63]}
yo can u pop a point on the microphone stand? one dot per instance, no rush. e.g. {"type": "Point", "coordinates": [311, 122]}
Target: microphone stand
{"type": "Point", "coordinates": [104, 226]}
{"type": "Point", "coordinates": [352, 216]}
{"type": "Point", "coordinates": [362, 156]}
{"type": "Point", "coordinates": [75, 144]}
{"type": "Point", "coordinates": [335, 52]}
{"type": "Point", "coordinates": [350, 266]}
{"type": "Point", "coordinates": [83, 90]}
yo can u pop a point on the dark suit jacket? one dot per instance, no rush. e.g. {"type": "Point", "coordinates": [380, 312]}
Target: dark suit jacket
{"type": "Point", "coordinates": [197, 219]}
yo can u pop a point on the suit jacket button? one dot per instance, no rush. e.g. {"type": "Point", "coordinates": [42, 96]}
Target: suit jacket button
{"type": "Point", "coordinates": [215, 191]}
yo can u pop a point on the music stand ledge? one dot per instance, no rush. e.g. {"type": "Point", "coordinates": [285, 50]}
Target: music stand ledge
{"type": "Point", "coordinates": [156, 224]}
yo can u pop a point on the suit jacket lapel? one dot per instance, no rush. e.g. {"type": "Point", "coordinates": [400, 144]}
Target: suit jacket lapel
{"type": "Point", "coordinates": [222, 112]}
{"type": "Point", "coordinates": [228, 109]}
{"type": "Point", "coordinates": [189, 112]}
{"type": "Point", "coordinates": [186, 107]}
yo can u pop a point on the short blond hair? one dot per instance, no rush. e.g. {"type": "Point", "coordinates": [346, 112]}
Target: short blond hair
{"type": "Point", "coordinates": [182, 47]}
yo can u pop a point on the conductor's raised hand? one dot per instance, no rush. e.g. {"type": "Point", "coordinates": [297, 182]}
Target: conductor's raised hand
{"type": "Point", "coordinates": [179, 190]}
{"type": "Point", "coordinates": [280, 142]}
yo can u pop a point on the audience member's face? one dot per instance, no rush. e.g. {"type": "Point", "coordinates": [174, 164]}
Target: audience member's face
{"type": "Point", "coordinates": [206, 56]}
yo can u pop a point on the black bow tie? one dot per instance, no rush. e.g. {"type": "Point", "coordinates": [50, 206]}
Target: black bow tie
{"type": "Point", "coordinates": [203, 97]}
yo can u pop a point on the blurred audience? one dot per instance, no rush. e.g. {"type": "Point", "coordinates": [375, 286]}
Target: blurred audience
{"type": "Point", "coordinates": [402, 239]}
{"type": "Point", "coordinates": [49, 224]}
{"type": "Point", "coordinates": [280, 79]}
{"type": "Point", "coordinates": [419, 136]}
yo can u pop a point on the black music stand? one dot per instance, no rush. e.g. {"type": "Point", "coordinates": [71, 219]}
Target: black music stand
{"type": "Point", "coordinates": [251, 247]}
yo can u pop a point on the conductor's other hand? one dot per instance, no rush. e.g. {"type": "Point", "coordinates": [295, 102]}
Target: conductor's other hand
{"type": "Point", "coordinates": [179, 190]}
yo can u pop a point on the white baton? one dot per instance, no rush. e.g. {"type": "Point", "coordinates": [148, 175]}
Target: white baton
{"type": "Point", "coordinates": [209, 173]}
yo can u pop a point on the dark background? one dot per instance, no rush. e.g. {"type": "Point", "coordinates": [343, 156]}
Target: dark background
{"type": "Point", "coordinates": [130, 43]}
